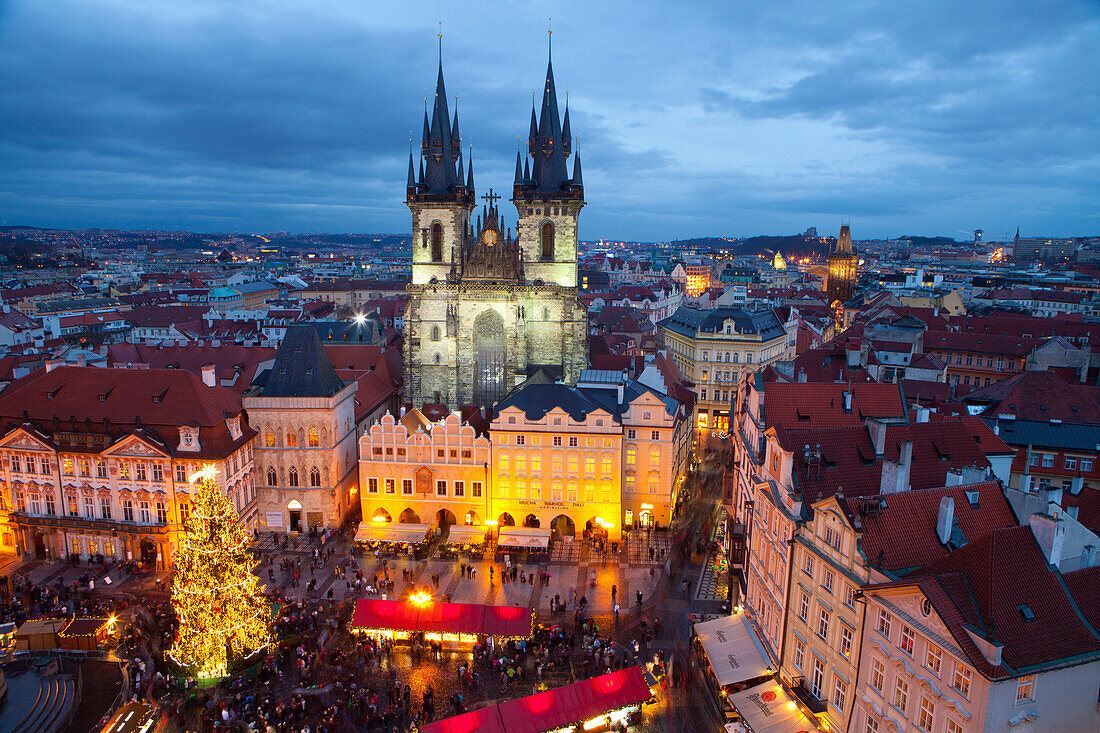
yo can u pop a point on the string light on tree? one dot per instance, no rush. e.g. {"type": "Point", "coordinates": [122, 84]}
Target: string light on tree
{"type": "Point", "coordinates": [223, 617]}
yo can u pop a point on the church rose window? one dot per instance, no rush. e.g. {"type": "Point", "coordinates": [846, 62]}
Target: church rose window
{"type": "Point", "coordinates": [489, 359]}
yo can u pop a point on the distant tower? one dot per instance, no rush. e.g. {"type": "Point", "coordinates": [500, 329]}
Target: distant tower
{"type": "Point", "coordinates": [977, 236]}
{"type": "Point", "coordinates": [843, 266]}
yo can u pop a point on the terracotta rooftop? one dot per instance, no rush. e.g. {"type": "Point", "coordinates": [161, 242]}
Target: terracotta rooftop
{"type": "Point", "coordinates": [1039, 395]}
{"type": "Point", "coordinates": [809, 405]}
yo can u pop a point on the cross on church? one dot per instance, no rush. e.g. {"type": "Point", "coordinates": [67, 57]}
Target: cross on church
{"type": "Point", "coordinates": [491, 198]}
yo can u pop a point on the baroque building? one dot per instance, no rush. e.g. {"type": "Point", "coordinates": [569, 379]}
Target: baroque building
{"type": "Point", "coordinates": [488, 308]}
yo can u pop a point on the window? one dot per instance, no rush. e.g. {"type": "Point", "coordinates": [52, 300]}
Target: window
{"type": "Point", "coordinates": [654, 457]}
{"type": "Point", "coordinates": [808, 565]}
{"type": "Point", "coordinates": [969, 359]}
{"type": "Point", "coordinates": [872, 725]}
{"type": "Point", "coordinates": [291, 439]}
{"type": "Point", "coordinates": [817, 679]}
{"type": "Point", "coordinates": [441, 487]}
{"type": "Point", "coordinates": [162, 513]}
{"type": "Point", "coordinates": [1035, 458]}
{"type": "Point", "coordinates": [269, 439]}
{"type": "Point", "coordinates": [804, 606]}
{"type": "Point", "coordinates": [437, 242]}
{"type": "Point", "coordinates": [127, 510]}
{"type": "Point", "coordinates": [406, 486]}
{"type": "Point", "coordinates": [314, 438]}
{"type": "Point", "coordinates": [1048, 460]}
{"type": "Point", "coordinates": [884, 623]}
{"type": "Point", "coordinates": [907, 636]}
{"type": "Point", "coordinates": [962, 680]}
{"type": "Point", "coordinates": [50, 509]}
{"type": "Point", "coordinates": [840, 692]}
{"type": "Point", "coordinates": [832, 537]}
{"type": "Point", "coordinates": [391, 485]}
{"type": "Point", "coordinates": [143, 509]}
{"type": "Point", "coordinates": [654, 434]}
{"type": "Point", "coordinates": [158, 472]}
{"type": "Point", "coordinates": [124, 470]}
{"type": "Point", "coordinates": [71, 503]}
{"type": "Point", "coordinates": [292, 476]}
{"type": "Point", "coordinates": [547, 241]}
{"type": "Point", "coordinates": [104, 507]}
{"type": "Point", "coordinates": [372, 485]}
{"type": "Point", "coordinates": [590, 464]}
{"type": "Point", "coordinates": [1086, 464]}
{"type": "Point", "coordinates": [521, 440]}
{"type": "Point", "coordinates": [631, 434]}
{"type": "Point", "coordinates": [36, 504]}
{"type": "Point", "coordinates": [460, 488]}
{"type": "Point", "coordinates": [67, 466]}
{"type": "Point", "coordinates": [573, 441]}
{"type": "Point", "coordinates": [924, 717]}
{"type": "Point", "coordinates": [502, 463]}
{"type": "Point", "coordinates": [823, 624]}
{"type": "Point", "coordinates": [605, 465]}
{"type": "Point", "coordinates": [878, 674]}
{"type": "Point", "coordinates": [475, 488]}
{"type": "Point", "coordinates": [16, 464]}
{"type": "Point", "coordinates": [139, 470]}
{"type": "Point", "coordinates": [573, 462]}
{"type": "Point", "coordinates": [846, 642]}
{"type": "Point", "coordinates": [555, 492]}
{"type": "Point", "coordinates": [901, 694]}
{"type": "Point", "coordinates": [536, 462]}
{"type": "Point", "coordinates": [849, 595]}
{"type": "Point", "coordinates": [953, 727]}
{"type": "Point", "coordinates": [89, 508]}
{"type": "Point", "coordinates": [1025, 689]}
{"type": "Point", "coordinates": [828, 580]}
{"type": "Point", "coordinates": [557, 440]}
{"type": "Point", "coordinates": [556, 463]}
{"type": "Point", "coordinates": [1071, 463]}
{"type": "Point", "coordinates": [631, 456]}
{"type": "Point", "coordinates": [799, 653]}
{"type": "Point", "coordinates": [934, 659]}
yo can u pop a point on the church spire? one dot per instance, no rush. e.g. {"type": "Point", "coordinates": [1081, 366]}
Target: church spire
{"type": "Point", "coordinates": [440, 153]}
{"type": "Point", "coordinates": [412, 173]}
{"type": "Point", "coordinates": [566, 136]}
{"type": "Point", "coordinates": [577, 171]}
{"type": "Point", "coordinates": [549, 172]}
{"type": "Point", "coordinates": [519, 170]}
{"type": "Point", "coordinates": [470, 172]}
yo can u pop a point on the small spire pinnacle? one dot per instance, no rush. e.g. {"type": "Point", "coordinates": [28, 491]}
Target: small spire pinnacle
{"type": "Point", "coordinates": [549, 37]}
{"type": "Point", "coordinates": [470, 171]}
{"type": "Point", "coordinates": [441, 44]}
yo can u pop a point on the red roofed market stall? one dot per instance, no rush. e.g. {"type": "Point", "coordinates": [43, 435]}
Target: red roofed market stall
{"type": "Point", "coordinates": [596, 701]}
{"type": "Point", "coordinates": [462, 622]}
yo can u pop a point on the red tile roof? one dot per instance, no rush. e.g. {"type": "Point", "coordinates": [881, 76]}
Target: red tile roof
{"type": "Point", "coordinates": [1040, 396]}
{"type": "Point", "coordinates": [231, 361]}
{"type": "Point", "coordinates": [976, 343]}
{"type": "Point", "coordinates": [1084, 588]}
{"type": "Point", "coordinates": [982, 586]}
{"type": "Point", "coordinates": [808, 405]}
{"type": "Point", "coordinates": [898, 531]}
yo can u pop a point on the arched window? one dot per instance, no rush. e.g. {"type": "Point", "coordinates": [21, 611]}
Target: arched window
{"type": "Point", "coordinates": [489, 358]}
{"type": "Point", "coordinates": [269, 438]}
{"type": "Point", "coordinates": [270, 476]}
{"type": "Point", "coordinates": [435, 333]}
{"type": "Point", "coordinates": [314, 438]}
{"type": "Point", "coordinates": [291, 439]}
{"type": "Point", "coordinates": [314, 477]}
{"type": "Point", "coordinates": [437, 242]}
{"type": "Point", "coordinates": [292, 476]}
{"type": "Point", "coordinates": [547, 241]}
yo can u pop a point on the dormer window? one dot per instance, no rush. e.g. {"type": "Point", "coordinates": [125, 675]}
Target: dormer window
{"type": "Point", "coordinates": [189, 439]}
{"type": "Point", "coordinates": [234, 425]}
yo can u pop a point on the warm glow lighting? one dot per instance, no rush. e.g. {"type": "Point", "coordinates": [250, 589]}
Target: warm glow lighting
{"type": "Point", "coordinates": [791, 706]}
{"type": "Point", "coordinates": [421, 598]}
{"type": "Point", "coordinates": [209, 471]}
{"type": "Point", "coordinates": [379, 518]}
{"type": "Point", "coordinates": [360, 318]}
{"type": "Point", "coordinates": [491, 522]}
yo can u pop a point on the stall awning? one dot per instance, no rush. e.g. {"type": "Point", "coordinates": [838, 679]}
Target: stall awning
{"type": "Point", "coordinates": [767, 708]}
{"type": "Point", "coordinates": [508, 621]}
{"type": "Point", "coordinates": [524, 537]}
{"type": "Point", "coordinates": [461, 534]}
{"type": "Point", "coordinates": [442, 618]}
{"type": "Point", "coordinates": [387, 532]}
{"type": "Point", "coordinates": [734, 651]}
{"type": "Point", "coordinates": [483, 720]}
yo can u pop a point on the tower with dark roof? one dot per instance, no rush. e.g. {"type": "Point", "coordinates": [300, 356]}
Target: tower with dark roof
{"type": "Point", "coordinates": [843, 267]}
{"type": "Point", "coordinates": [441, 195]}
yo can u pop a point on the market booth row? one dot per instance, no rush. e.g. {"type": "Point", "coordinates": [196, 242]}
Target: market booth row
{"type": "Point", "coordinates": [742, 675]}
{"type": "Point", "coordinates": [77, 634]}
{"type": "Point", "coordinates": [465, 540]}
{"type": "Point", "coordinates": [529, 544]}
{"type": "Point", "coordinates": [386, 539]}
{"type": "Point", "coordinates": [588, 705]}
{"type": "Point", "coordinates": [463, 623]}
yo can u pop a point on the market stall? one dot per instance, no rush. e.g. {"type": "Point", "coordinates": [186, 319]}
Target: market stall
{"type": "Point", "coordinates": [589, 705]}
{"type": "Point", "coordinates": [733, 650]}
{"type": "Point", "coordinates": [465, 540]}
{"type": "Point", "coordinates": [767, 708]}
{"type": "Point", "coordinates": [515, 540]}
{"type": "Point", "coordinates": [86, 634]}
{"type": "Point", "coordinates": [452, 622]}
{"type": "Point", "coordinates": [39, 634]}
{"type": "Point", "coordinates": [386, 539]}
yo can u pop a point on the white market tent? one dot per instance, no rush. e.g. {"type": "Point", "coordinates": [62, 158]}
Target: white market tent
{"type": "Point", "coordinates": [733, 649]}
{"type": "Point", "coordinates": [767, 708]}
{"type": "Point", "coordinates": [461, 534]}
{"type": "Point", "coordinates": [525, 537]}
{"type": "Point", "coordinates": [387, 532]}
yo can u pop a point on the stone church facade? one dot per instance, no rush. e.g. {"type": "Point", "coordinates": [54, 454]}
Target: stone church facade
{"type": "Point", "coordinates": [488, 308]}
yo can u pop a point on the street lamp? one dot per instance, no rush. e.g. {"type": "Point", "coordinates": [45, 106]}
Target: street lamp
{"type": "Point", "coordinates": [491, 523]}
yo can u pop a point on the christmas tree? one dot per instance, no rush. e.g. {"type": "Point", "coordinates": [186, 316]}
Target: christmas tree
{"type": "Point", "coordinates": [222, 616]}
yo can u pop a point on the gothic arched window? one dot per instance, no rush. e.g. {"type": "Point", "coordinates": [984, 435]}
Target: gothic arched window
{"type": "Point", "coordinates": [435, 333]}
{"type": "Point", "coordinates": [270, 476]}
{"type": "Point", "coordinates": [314, 438]}
{"type": "Point", "coordinates": [437, 242]}
{"type": "Point", "coordinates": [291, 439]}
{"type": "Point", "coordinates": [292, 476]}
{"type": "Point", "coordinates": [314, 477]}
{"type": "Point", "coordinates": [489, 358]}
{"type": "Point", "coordinates": [547, 241]}
{"type": "Point", "coordinates": [269, 439]}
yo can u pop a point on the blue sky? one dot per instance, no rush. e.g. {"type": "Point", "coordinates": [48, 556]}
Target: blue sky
{"type": "Point", "coordinates": [693, 118]}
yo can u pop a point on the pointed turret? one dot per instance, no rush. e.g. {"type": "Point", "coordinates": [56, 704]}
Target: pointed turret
{"type": "Point", "coordinates": [844, 241]}
{"type": "Point", "coordinates": [470, 173]}
{"type": "Point", "coordinates": [412, 174]}
{"type": "Point", "coordinates": [421, 178]}
{"type": "Point", "coordinates": [577, 171]}
{"type": "Point", "coordinates": [456, 140]}
{"type": "Point", "coordinates": [526, 171]}
{"type": "Point", "coordinates": [425, 136]}
{"type": "Point", "coordinates": [440, 155]}
{"type": "Point", "coordinates": [519, 170]}
{"type": "Point", "coordinates": [461, 173]}
{"type": "Point", "coordinates": [566, 136]}
{"type": "Point", "coordinates": [549, 171]}
{"type": "Point", "coordinates": [533, 135]}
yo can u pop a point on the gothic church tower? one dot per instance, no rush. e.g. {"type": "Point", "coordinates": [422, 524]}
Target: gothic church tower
{"type": "Point", "coordinates": [486, 309]}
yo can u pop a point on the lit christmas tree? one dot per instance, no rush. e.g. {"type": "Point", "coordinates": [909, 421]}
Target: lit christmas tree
{"type": "Point", "coordinates": [222, 616]}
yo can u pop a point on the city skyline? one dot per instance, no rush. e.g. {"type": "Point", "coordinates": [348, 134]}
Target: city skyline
{"type": "Point", "coordinates": [759, 120]}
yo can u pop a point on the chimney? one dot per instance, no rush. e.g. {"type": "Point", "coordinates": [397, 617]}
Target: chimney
{"type": "Point", "coordinates": [1088, 556]}
{"type": "Point", "coordinates": [208, 376]}
{"type": "Point", "coordinates": [1050, 533]}
{"type": "Point", "coordinates": [82, 360]}
{"type": "Point", "coordinates": [922, 414]}
{"type": "Point", "coordinates": [52, 364]}
{"type": "Point", "coordinates": [946, 519]}
{"type": "Point", "coordinates": [996, 427]}
{"type": "Point", "coordinates": [905, 464]}
{"type": "Point", "coordinates": [1077, 483]}
{"type": "Point", "coordinates": [801, 375]}
{"type": "Point", "coordinates": [852, 355]}
{"type": "Point", "coordinates": [878, 435]}
{"type": "Point", "coordinates": [1052, 495]}
{"type": "Point", "coordinates": [847, 401]}
{"type": "Point", "coordinates": [620, 393]}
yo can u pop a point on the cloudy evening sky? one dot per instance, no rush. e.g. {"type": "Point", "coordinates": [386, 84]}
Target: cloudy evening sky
{"type": "Point", "coordinates": [693, 118]}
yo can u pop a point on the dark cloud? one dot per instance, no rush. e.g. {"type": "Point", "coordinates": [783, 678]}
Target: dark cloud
{"type": "Point", "coordinates": [713, 119]}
